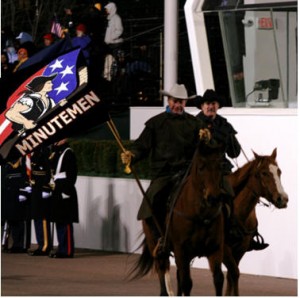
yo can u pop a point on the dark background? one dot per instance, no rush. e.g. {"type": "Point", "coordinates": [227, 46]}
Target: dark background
{"type": "Point", "coordinates": [142, 21]}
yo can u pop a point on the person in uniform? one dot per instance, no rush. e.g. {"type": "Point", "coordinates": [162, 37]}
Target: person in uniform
{"type": "Point", "coordinates": [41, 200]}
{"type": "Point", "coordinates": [225, 135]}
{"type": "Point", "coordinates": [15, 205]}
{"type": "Point", "coordinates": [169, 139]}
{"type": "Point", "coordinates": [65, 203]}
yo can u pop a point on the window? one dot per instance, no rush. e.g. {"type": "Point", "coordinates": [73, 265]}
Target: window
{"type": "Point", "coordinates": [258, 52]}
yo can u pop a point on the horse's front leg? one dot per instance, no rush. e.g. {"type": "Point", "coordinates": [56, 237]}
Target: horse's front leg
{"type": "Point", "coordinates": [179, 290]}
{"type": "Point", "coordinates": [215, 264]}
{"type": "Point", "coordinates": [233, 273]}
{"type": "Point", "coordinates": [162, 266]}
{"type": "Point", "coordinates": [184, 279]}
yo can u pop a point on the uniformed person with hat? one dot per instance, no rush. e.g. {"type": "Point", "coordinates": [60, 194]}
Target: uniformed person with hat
{"type": "Point", "coordinates": [41, 200]}
{"type": "Point", "coordinates": [65, 203]}
{"type": "Point", "coordinates": [15, 207]}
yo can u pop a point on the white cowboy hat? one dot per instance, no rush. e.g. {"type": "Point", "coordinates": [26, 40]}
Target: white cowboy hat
{"type": "Point", "coordinates": [177, 91]}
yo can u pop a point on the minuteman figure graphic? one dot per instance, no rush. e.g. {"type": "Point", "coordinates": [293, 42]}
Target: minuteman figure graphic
{"type": "Point", "coordinates": [35, 102]}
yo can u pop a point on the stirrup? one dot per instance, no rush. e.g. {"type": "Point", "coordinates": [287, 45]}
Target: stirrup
{"type": "Point", "coordinates": [257, 243]}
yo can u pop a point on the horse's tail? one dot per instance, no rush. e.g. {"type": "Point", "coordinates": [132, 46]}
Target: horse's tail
{"type": "Point", "coordinates": [144, 263]}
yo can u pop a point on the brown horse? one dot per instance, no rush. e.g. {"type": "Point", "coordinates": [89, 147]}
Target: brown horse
{"type": "Point", "coordinates": [194, 226]}
{"type": "Point", "coordinates": [257, 178]}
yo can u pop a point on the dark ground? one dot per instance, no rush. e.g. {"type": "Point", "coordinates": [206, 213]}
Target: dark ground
{"type": "Point", "coordinates": [98, 273]}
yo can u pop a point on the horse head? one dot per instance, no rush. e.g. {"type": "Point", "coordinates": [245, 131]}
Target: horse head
{"type": "Point", "coordinates": [268, 174]}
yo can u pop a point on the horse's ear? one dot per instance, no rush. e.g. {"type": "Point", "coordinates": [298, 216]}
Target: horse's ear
{"type": "Point", "coordinates": [274, 153]}
{"type": "Point", "coordinates": [255, 154]}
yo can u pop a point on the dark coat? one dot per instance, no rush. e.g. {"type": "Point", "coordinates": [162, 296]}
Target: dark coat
{"type": "Point", "coordinates": [65, 202]}
{"type": "Point", "coordinates": [40, 177]}
{"type": "Point", "coordinates": [225, 135]}
{"type": "Point", "coordinates": [12, 180]}
{"type": "Point", "coordinates": [169, 140]}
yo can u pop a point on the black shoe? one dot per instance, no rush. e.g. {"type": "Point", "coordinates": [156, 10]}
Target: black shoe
{"type": "Point", "coordinates": [38, 252]}
{"type": "Point", "coordinates": [258, 243]}
{"type": "Point", "coordinates": [17, 250]}
{"type": "Point", "coordinates": [59, 255]}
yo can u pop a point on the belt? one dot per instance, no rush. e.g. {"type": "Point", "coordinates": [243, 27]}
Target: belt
{"type": "Point", "coordinates": [39, 173]}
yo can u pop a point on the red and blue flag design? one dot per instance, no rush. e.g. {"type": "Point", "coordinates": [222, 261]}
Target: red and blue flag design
{"type": "Point", "coordinates": [65, 82]}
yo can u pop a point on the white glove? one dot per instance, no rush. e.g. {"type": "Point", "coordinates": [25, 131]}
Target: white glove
{"type": "Point", "coordinates": [27, 189]}
{"type": "Point", "coordinates": [22, 198]}
{"type": "Point", "coordinates": [46, 195]}
{"type": "Point", "coordinates": [64, 196]}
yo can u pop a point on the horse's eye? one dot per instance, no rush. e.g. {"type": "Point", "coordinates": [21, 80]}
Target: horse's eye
{"type": "Point", "coordinates": [265, 174]}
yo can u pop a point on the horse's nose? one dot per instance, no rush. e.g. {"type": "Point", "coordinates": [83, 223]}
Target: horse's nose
{"type": "Point", "coordinates": [282, 201]}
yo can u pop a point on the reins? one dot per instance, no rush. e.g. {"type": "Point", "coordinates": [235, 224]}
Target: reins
{"type": "Point", "coordinates": [198, 219]}
{"type": "Point", "coordinates": [235, 159]}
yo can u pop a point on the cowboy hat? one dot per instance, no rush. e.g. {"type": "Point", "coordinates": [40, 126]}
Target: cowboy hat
{"type": "Point", "coordinates": [208, 96]}
{"type": "Point", "coordinates": [177, 91]}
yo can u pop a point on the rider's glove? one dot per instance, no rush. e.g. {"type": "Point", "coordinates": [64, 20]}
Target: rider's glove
{"type": "Point", "coordinates": [204, 135]}
{"type": "Point", "coordinates": [126, 157]}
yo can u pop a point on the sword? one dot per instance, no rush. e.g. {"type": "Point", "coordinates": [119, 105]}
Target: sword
{"type": "Point", "coordinates": [130, 169]}
{"type": "Point", "coordinates": [5, 234]}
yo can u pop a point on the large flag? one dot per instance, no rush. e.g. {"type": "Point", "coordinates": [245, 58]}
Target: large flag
{"type": "Point", "coordinates": [54, 102]}
{"type": "Point", "coordinates": [49, 53]}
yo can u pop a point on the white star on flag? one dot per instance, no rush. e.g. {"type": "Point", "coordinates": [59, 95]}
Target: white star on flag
{"type": "Point", "coordinates": [67, 70]}
{"type": "Point", "coordinates": [62, 87]}
{"type": "Point", "coordinates": [57, 64]}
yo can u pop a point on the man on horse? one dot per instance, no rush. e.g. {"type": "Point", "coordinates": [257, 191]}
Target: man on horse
{"type": "Point", "coordinates": [169, 139]}
{"type": "Point", "coordinates": [224, 134]}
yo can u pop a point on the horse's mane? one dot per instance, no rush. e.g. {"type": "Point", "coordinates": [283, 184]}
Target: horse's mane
{"type": "Point", "coordinates": [240, 176]}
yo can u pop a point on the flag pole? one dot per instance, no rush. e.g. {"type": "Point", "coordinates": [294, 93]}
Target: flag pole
{"type": "Point", "coordinates": [129, 169]}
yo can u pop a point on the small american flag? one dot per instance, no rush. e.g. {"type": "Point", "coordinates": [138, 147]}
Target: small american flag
{"type": "Point", "coordinates": [28, 165]}
{"type": "Point", "coordinates": [56, 27]}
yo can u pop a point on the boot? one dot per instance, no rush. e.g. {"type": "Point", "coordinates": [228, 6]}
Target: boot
{"type": "Point", "coordinates": [257, 243]}
{"type": "Point", "coordinates": [233, 229]}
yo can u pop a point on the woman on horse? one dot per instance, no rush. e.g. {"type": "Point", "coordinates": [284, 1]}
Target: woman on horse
{"type": "Point", "coordinates": [225, 135]}
{"type": "Point", "coordinates": [169, 139]}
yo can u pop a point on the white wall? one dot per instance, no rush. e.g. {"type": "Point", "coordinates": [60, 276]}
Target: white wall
{"type": "Point", "coordinates": [107, 213]}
